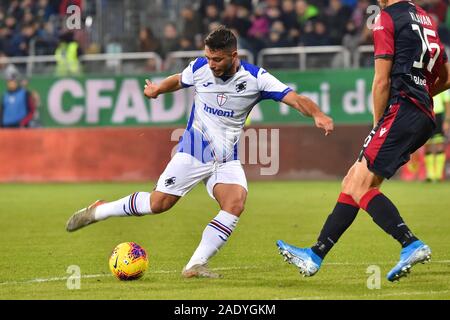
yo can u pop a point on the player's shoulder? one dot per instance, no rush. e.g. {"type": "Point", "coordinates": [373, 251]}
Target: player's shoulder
{"type": "Point", "coordinates": [395, 15]}
{"type": "Point", "coordinates": [198, 64]}
{"type": "Point", "coordinates": [405, 12]}
{"type": "Point", "coordinates": [399, 8]}
{"type": "Point", "coordinates": [254, 70]}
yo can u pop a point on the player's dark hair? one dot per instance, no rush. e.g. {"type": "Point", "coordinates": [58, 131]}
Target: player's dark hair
{"type": "Point", "coordinates": [221, 39]}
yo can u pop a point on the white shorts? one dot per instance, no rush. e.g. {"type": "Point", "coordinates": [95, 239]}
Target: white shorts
{"type": "Point", "coordinates": [184, 171]}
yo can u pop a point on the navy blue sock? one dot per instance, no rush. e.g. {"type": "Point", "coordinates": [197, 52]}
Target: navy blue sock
{"type": "Point", "coordinates": [343, 215]}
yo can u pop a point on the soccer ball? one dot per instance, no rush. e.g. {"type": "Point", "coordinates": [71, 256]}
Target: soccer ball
{"type": "Point", "coordinates": [128, 261]}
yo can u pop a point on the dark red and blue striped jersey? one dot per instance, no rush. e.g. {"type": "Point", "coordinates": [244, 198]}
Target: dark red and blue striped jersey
{"type": "Point", "coordinates": [405, 33]}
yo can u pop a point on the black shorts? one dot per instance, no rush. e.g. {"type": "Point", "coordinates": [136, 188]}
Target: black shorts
{"type": "Point", "coordinates": [403, 129]}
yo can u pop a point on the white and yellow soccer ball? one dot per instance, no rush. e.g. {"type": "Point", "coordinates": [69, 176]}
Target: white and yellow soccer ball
{"type": "Point", "coordinates": [128, 261]}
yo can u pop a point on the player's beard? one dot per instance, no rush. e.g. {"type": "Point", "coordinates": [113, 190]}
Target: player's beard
{"type": "Point", "coordinates": [228, 71]}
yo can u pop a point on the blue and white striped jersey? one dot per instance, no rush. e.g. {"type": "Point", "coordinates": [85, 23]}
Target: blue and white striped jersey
{"type": "Point", "coordinates": [221, 106]}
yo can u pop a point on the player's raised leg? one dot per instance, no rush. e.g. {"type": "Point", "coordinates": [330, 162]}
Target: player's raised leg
{"type": "Point", "coordinates": [231, 198]}
{"type": "Point", "coordinates": [136, 204]}
{"type": "Point", "coordinates": [181, 174]}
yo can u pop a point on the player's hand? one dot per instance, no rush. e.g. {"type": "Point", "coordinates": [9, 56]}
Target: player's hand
{"type": "Point", "coordinates": [324, 122]}
{"type": "Point", "coordinates": [150, 90]}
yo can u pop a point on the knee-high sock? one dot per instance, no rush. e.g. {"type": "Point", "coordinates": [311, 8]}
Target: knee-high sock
{"type": "Point", "coordinates": [214, 237]}
{"type": "Point", "coordinates": [386, 216]}
{"type": "Point", "coordinates": [343, 215]}
{"type": "Point", "coordinates": [136, 204]}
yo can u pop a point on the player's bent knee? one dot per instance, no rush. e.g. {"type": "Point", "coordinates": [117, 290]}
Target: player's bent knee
{"type": "Point", "coordinates": [345, 185]}
{"type": "Point", "coordinates": [357, 195]}
{"type": "Point", "coordinates": [162, 206]}
{"type": "Point", "coordinates": [162, 202]}
{"type": "Point", "coordinates": [157, 207]}
{"type": "Point", "coordinates": [235, 208]}
{"type": "Point", "coordinates": [355, 190]}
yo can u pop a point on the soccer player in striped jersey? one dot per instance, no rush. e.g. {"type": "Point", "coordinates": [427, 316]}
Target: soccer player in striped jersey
{"type": "Point", "coordinates": [226, 90]}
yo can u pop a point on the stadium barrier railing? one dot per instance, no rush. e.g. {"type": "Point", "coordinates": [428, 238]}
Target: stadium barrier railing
{"type": "Point", "coordinates": [359, 52]}
{"type": "Point", "coordinates": [303, 53]}
{"type": "Point", "coordinates": [302, 58]}
{"type": "Point", "coordinates": [114, 60]}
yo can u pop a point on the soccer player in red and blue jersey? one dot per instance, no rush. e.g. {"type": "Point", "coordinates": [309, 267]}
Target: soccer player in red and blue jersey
{"type": "Point", "coordinates": [410, 68]}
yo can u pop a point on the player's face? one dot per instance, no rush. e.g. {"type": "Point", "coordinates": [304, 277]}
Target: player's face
{"type": "Point", "coordinates": [12, 85]}
{"type": "Point", "coordinates": [220, 61]}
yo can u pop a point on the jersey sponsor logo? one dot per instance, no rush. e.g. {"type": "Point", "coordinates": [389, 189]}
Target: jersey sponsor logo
{"type": "Point", "coordinates": [382, 131]}
{"type": "Point", "coordinates": [378, 28]}
{"type": "Point", "coordinates": [420, 81]}
{"type": "Point", "coordinates": [241, 86]}
{"type": "Point", "coordinates": [221, 99]}
{"type": "Point", "coordinates": [207, 84]}
{"type": "Point", "coordinates": [218, 112]}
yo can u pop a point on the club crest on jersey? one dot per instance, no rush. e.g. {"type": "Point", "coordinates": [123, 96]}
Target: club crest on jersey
{"type": "Point", "coordinates": [170, 181]}
{"type": "Point", "coordinates": [221, 99]}
{"type": "Point", "coordinates": [241, 86]}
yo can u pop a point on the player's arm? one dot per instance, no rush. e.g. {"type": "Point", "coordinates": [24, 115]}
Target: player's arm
{"type": "Point", "coordinates": [384, 51]}
{"type": "Point", "coordinates": [443, 81]}
{"type": "Point", "coordinates": [170, 84]}
{"type": "Point", "coordinates": [381, 87]}
{"type": "Point", "coordinates": [307, 107]}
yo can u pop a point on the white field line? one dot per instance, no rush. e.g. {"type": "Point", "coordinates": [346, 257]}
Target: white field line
{"type": "Point", "coordinates": [40, 280]}
{"type": "Point", "coordinates": [88, 276]}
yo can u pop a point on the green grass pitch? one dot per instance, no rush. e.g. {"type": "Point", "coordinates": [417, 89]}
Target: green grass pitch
{"type": "Point", "coordinates": [36, 249]}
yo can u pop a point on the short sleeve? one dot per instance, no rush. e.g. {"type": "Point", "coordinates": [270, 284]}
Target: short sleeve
{"type": "Point", "coordinates": [383, 36]}
{"type": "Point", "coordinates": [187, 76]}
{"type": "Point", "coordinates": [270, 87]}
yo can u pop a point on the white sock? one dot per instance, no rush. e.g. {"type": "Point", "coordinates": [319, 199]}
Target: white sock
{"type": "Point", "coordinates": [136, 204]}
{"type": "Point", "coordinates": [214, 237]}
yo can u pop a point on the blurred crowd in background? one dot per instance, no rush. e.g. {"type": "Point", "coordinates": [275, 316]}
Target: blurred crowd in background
{"type": "Point", "coordinates": [23, 23]}
{"type": "Point", "coordinates": [35, 27]}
